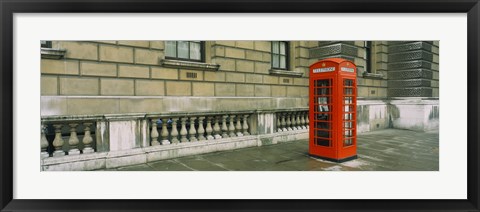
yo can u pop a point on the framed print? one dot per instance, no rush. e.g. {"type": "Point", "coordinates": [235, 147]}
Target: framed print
{"type": "Point", "coordinates": [257, 106]}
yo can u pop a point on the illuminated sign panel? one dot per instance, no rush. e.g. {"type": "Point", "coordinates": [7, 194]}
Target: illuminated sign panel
{"type": "Point", "coordinates": [347, 69]}
{"type": "Point", "coordinates": [320, 70]}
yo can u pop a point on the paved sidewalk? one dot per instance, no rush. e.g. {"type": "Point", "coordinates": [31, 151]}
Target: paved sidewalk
{"type": "Point", "coordinates": [384, 150]}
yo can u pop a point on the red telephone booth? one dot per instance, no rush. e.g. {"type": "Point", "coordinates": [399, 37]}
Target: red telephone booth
{"type": "Point", "coordinates": [333, 106]}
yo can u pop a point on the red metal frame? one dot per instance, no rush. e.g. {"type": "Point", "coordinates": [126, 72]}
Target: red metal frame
{"type": "Point", "coordinates": [333, 110]}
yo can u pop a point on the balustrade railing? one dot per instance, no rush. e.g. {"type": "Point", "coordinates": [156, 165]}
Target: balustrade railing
{"type": "Point", "coordinates": [291, 120]}
{"type": "Point", "coordinates": [183, 128]}
{"type": "Point", "coordinates": [67, 137]}
{"type": "Point", "coordinates": [64, 136]}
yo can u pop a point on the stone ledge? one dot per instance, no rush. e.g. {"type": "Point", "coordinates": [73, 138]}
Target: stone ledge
{"type": "Point", "coordinates": [71, 118]}
{"type": "Point", "coordinates": [281, 110]}
{"type": "Point", "coordinates": [285, 73]}
{"type": "Point", "coordinates": [372, 75]}
{"type": "Point", "coordinates": [162, 152]}
{"type": "Point", "coordinates": [49, 53]}
{"type": "Point", "coordinates": [124, 117]}
{"type": "Point", "coordinates": [280, 137]}
{"type": "Point", "coordinates": [73, 158]}
{"type": "Point", "coordinates": [189, 65]}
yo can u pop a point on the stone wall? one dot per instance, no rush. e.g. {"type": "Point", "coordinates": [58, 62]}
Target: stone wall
{"type": "Point", "coordinates": [410, 113]}
{"type": "Point", "coordinates": [124, 77]}
{"type": "Point", "coordinates": [130, 76]}
{"type": "Point", "coordinates": [413, 68]}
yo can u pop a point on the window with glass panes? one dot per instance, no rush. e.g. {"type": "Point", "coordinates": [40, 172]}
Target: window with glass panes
{"type": "Point", "coordinates": [184, 50]}
{"type": "Point", "coordinates": [368, 56]}
{"type": "Point", "coordinates": [45, 44]}
{"type": "Point", "coordinates": [279, 54]}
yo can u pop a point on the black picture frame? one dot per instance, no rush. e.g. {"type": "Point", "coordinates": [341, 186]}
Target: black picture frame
{"type": "Point", "coordinates": [9, 7]}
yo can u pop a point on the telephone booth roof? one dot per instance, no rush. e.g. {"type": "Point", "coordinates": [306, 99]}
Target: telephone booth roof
{"type": "Point", "coordinates": [344, 66]}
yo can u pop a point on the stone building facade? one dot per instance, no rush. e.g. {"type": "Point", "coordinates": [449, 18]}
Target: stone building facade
{"type": "Point", "coordinates": [119, 100]}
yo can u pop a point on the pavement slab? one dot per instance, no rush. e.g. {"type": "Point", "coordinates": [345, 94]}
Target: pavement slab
{"type": "Point", "coordinates": [383, 150]}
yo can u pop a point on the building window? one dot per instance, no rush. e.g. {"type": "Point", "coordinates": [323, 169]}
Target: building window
{"type": "Point", "coordinates": [185, 50]}
{"type": "Point", "coordinates": [45, 44]}
{"type": "Point", "coordinates": [368, 56]}
{"type": "Point", "coordinates": [280, 55]}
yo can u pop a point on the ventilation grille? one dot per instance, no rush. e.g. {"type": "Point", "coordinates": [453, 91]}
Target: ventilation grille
{"type": "Point", "coordinates": [191, 75]}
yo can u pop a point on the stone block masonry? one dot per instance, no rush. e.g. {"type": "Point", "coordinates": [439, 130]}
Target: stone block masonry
{"type": "Point", "coordinates": [244, 65]}
{"type": "Point", "coordinates": [116, 54]}
{"type": "Point", "coordinates": [112, 77]}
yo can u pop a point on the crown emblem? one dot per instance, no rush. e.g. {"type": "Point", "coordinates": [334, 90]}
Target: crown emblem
{"type": "Point", "coordinates": [323, 64]}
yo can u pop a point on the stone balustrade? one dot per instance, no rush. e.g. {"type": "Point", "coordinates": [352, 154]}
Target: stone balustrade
{"type": "Point", "coordinates": [90, 142]}
{"type": "Point", "coordinates": [176, 128]}
{"type": "Point", "coordinates": [61, 136]}
{"type": "Point", "coordinates": [289, 120]}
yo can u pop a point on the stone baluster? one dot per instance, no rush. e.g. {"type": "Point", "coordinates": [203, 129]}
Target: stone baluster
{"type": "Point", "coordinates": [279, 122]}
{"type": "Point", "coordinates": [201, 130]}
{"type": "Point", "coordinates": [174, 132]}
{"type": "Point", "coordinates": [245, 124]}
{"type": "Point", "coordinates": [294, 121]}
{"type": "Point", "coordinates": [43, 143]}
{"type": "Point", "coordinates": [154, 133]}
{"type": "Point", "coordinates": [73, 140]}
{"type": "Point", "coordinates": [231, 127]}
{"type": "Point", "coordinates": [183, 130]}
{"type": "Point", "coordinates": [307, 121]}
{"type": "Point", "coordinates": [289, 121]}
{"type": "Point", "coordinates": [209, 128]}
{"type": "Point", "coordinates": [224, 126]}
{"type": "Point", "coordinates": [87, 139]}
{"type": "Point", "coordinates": [302, 120]}
{"type": "Point", "coordinates": [238, 126]}
{"type": "Point", "coordinates": [298, 121]}
{"type": "Point", "coordinates": [284, 123]}
{"type": "Point", "coordinates": [192, 132]}
{"type": "Point", "coordinates": [58, 141]}
{"type": "Point", "coordinates": [216, 128]}
{"type": "Point", "coordinates": [165, 140]}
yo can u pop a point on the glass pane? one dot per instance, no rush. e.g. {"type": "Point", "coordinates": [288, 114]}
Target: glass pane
{"type": "Point", "coordinates": [323, 100]}
{"type": "Point", "coordinates": [322, 142]}
{"type": "Point", "coordinates": [275, 47]}
{"type": "Point", "coordinates": [322, 125]}
{"type": "Point", "coordinates": [283, 62]}
{"type": "Point", "coordinates": [323, 108]}
{"type": "Point", "coordinates": [323, 91]}
{"type": "Point", "coordinates": [348, 100]}
{"type": "Point", "coordinates": [348, 82]}
{"type": "Point", "coordinates": [171, 49]}
{"type": "Point", "coordinates": [275, 62]}
{"type": "Point", "coordinates": [347, 124]}
{"type": "Point", "coordinates": [348, 142]}
{"type": "Point", "coordinates": [323, 134]}
{"type": "Point", "coordinates": [322, 83]}
{"type": "Point", "coordinates": [348, 91]}
{"type": "Point", "coordinates": [195, 51]}
{"type": "Point", "coordinates": [348, 108]}
{"type": "Point", "coordinates": [283, 48]}
{"type": "Point", "coordinates": [183, 49]}
{"type": "Point", "coordinates": [348, 116]}
{"type": "Point", "coordinates": [322, 116]}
